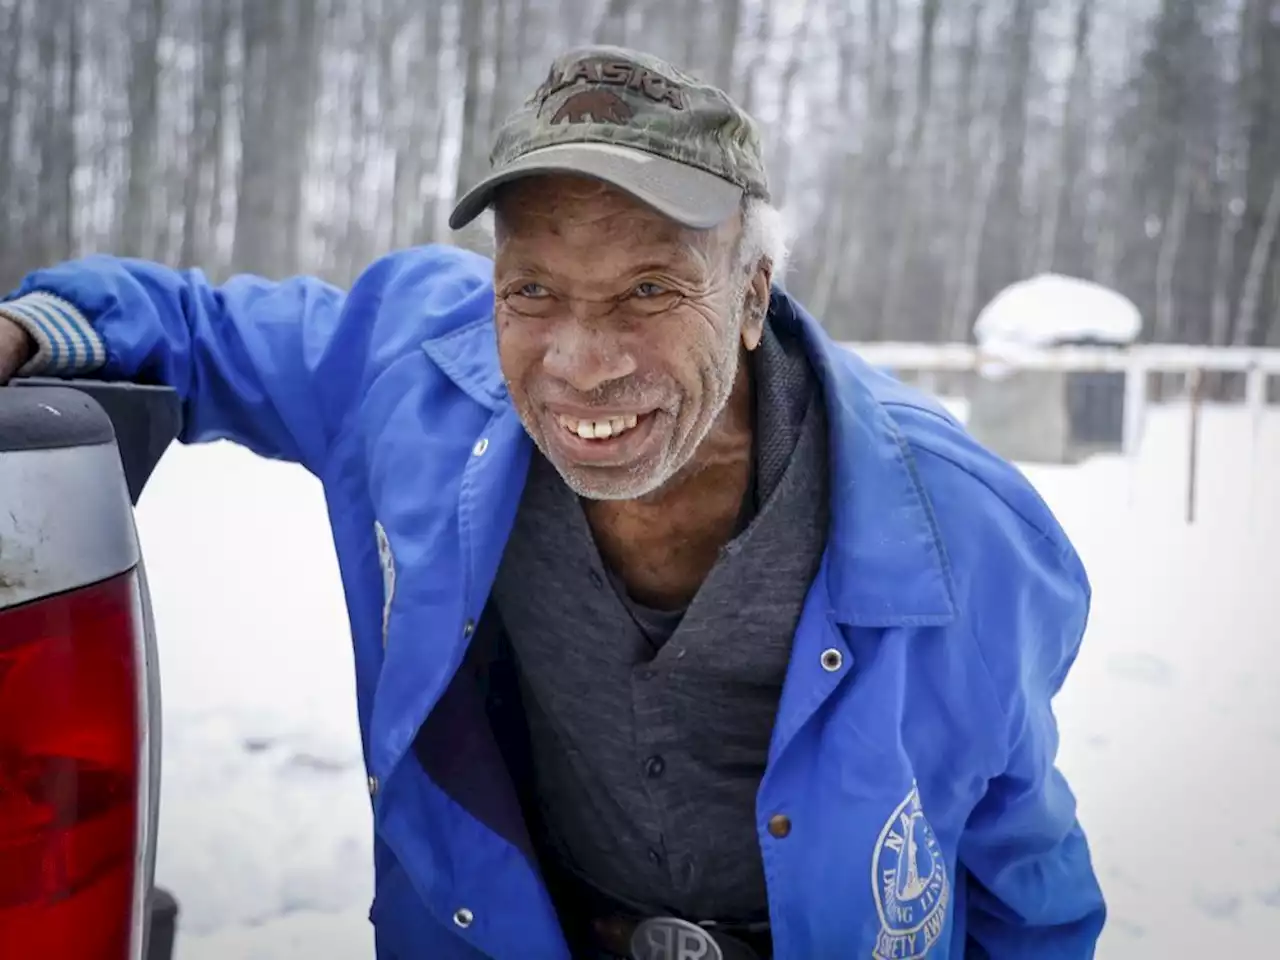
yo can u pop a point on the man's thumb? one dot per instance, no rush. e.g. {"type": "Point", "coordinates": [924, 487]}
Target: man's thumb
{"type": "Point", "coordinates": [16, 348]}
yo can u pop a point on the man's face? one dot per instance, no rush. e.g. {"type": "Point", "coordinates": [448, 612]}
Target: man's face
{"type": "Point", "coordinates": [619, 332]}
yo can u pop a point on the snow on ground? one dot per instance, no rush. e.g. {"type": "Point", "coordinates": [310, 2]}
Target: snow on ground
{"type": "Point", "coordinates": [1171, 731]}
{"type": "Point", "coordinates": [264, 822]}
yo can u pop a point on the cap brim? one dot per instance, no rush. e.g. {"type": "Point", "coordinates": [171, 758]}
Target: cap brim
{"type": "Point", "coordinates": [686, 194]}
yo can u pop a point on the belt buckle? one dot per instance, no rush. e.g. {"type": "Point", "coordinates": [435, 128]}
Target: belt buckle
{"type": "Point", "coordinates": [669, 938]}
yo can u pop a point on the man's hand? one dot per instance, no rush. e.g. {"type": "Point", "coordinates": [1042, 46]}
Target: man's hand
{"type": "Point", "coordinates": [16, 348]}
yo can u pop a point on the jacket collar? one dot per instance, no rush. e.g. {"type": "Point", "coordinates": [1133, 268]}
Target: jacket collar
{"type": "Point", "coordinates": [887, 566]}
{"type": "Point", "coordinates": [469, 357]}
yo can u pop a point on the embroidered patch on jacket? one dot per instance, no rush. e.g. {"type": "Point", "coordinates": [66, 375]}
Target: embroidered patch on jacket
{"type": "Point", "coordinates": [910, 884]}
{"type": "Point", "coordinates": [388, 563]}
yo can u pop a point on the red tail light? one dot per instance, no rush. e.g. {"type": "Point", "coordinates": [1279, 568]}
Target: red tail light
{"type": "Point", "coordinates": [72, 762]}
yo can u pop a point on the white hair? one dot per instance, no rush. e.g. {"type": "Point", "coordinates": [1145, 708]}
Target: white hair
{"type": "Point", "coordinates": [482, 234]}
{"type": "Point", "coordinates": [764, 236]}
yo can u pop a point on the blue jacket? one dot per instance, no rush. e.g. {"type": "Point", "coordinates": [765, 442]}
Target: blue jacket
{"type": "Point", "coordinates": [914, 746]}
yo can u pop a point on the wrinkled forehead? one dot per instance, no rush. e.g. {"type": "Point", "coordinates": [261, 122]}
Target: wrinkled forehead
{"type": "Point", "coordinates": [578, 216]}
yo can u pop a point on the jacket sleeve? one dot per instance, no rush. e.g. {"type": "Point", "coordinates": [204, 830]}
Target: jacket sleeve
{"type": "Point", "coordinates": [1033, 892]}
{"type": "Point", "coordinates": [246, 357]}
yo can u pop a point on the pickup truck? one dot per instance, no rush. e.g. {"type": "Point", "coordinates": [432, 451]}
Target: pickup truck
{"type": "Point", "coordinates": [79, 677]}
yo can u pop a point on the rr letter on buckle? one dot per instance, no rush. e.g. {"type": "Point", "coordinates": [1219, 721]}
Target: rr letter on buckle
{"type": "Point", "coordinates": [667, 938]}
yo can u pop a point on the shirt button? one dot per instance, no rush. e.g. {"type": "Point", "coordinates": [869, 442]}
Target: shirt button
{"type": "Point", "coordinates": [654, 767]}
{"type": "Point", "coordinates": [463, 917]}
{"type": "Point", "coordinates": [373, 786]}
{"type": "Point", "coordinates": [468, 629]}
{"type": "Point", "coordinates": [832, 660]}
{"type": "Point", "coordinates": [481, 446]}
{"type": "Point", "coordinates": [779, 825]}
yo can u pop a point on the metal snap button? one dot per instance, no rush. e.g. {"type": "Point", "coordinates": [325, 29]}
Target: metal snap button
{"type": "Point", "coordinates": [468, 629]}
{"type": "Point", "coordinates": [373, 786]}
{"type": "Point", "coordinates": [463, 917]}
{"type": "Point", "coordinates": [832, 660]}
{"type": "Point", "coordinates": [779, 825]}
{"type": "Point", "coordinates": [481, 446]}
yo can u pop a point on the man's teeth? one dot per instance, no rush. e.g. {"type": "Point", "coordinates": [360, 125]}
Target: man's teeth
{"type": "Point", "coordinates": [599, 429]}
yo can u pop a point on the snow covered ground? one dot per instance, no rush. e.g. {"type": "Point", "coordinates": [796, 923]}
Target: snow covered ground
{"type": "Point", "coordinates": [1171, 719]}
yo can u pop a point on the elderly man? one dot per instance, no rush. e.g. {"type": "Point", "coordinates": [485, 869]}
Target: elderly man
{"type": "Point", "coordinates": [679, 632]}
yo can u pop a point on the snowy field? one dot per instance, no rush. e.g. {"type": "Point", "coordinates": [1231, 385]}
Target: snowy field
{"type": "Point", "coordinates": [1171, 719]}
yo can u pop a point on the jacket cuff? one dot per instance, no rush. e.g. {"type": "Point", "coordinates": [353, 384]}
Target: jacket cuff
{"type": "Point", "coordinates": [66, 343]}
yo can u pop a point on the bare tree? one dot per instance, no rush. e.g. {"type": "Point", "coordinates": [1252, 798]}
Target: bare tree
{"type": "Point", "coordinates": [146, 20]}
{"type": "Point", "coordinates": [471, 51]}
{"type": "Point", "coordinates": [1249, 329]}
{"type": "Point", "coordinates": [915, 197]}
{"type": "Point", "coordinates": [1059, 227]}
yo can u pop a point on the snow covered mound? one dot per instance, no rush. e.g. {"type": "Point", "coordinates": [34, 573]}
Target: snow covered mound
{"type": "Point", "coordinates": [1052, 308]}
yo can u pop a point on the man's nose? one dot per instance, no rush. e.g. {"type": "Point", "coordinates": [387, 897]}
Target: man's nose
{"type": "Point", "coordinates": [585, 356]}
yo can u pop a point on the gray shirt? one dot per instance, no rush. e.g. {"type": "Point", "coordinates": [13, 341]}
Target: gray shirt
{"type": "Point", "coordinates": [650, 729]}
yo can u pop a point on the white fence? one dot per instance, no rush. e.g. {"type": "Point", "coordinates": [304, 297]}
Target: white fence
{"type": "Point", "coordinates": [1136, 363]}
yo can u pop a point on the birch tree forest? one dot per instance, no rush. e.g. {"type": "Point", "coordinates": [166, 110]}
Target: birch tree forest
{"type": "Point", "coordinates": [927, 152]}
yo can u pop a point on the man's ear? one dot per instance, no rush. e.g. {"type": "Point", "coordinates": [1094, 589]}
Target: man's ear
{"type": "Point", "coordinates": [755, 303]}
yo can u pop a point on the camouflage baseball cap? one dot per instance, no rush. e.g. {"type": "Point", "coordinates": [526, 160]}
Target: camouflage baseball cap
{"type": "Point", "coordinates": [636, 122]}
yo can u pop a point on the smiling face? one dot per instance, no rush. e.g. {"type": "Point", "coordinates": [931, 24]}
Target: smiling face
{"type": "Point", "coordinates": [619, 332]}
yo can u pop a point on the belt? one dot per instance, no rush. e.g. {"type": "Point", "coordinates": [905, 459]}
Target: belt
{"type": "Point", "coordinates": [598, 924]}
{"type": "Point", "coordinates": [668, 938]}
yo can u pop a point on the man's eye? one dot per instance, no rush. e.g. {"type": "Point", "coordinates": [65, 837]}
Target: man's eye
{"type": "Point", "coordinates": [533, 291]}
{"type": "Point", "coordinates": [648, 289]}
